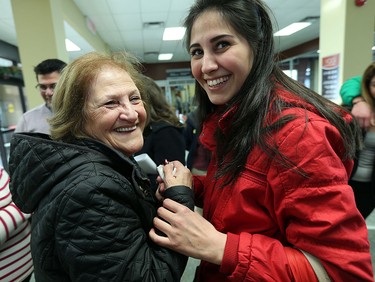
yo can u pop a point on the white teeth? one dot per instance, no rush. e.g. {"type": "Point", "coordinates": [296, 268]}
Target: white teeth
{"type": "Point", "coordinates": [217, 81]}
{"type": "Point", "coordinates": [123, 129]}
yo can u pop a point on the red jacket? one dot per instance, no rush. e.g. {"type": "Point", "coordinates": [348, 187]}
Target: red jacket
{"type": "Point", "coordinates": [271, 207]}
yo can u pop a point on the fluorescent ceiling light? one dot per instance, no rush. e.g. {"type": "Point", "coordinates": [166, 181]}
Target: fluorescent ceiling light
{"type": "Point", "coordinates": [70, 46]}
{"type": "Point", "coordinates": [174, 33]}
{"type": "Point", "coordinates": [373, 48]}
{"type": "Point", "coordinates": [292, 28]}
{"type": "Point", "coordinates": [165, 57]}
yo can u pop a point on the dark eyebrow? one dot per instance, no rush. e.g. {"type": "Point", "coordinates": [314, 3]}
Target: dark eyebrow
{"type": "Point", "coordinates": [216, 38]}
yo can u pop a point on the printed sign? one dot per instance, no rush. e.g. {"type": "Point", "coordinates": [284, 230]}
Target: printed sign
{"type": "Point", "coordinates": [330, 79]}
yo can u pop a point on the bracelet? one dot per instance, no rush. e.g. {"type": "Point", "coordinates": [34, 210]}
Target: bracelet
{"type": "Point", "coordinates": [358, 101]}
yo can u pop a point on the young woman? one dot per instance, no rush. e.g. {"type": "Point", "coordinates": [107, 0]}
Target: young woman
{"type": "Point", "coordinates": [363, 177]}
{"type": "Point", "coordinates": [92, 206]}
{"type": "Point", "coordinates": [276, 201]}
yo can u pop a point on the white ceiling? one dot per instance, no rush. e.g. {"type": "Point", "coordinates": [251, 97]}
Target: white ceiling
{"type": "Point", "coordinates": [120, 23]}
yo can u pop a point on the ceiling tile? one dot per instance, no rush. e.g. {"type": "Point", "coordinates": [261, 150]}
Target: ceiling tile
{"type": "Point", "coordinates": [104, 23]}
{"type": "Point", "coordinates": [155, 6]}
{"type": "Point", "coordinates": [93, 7]}
{"type": "Point", "coordinates": [181, 5]}
{"type": "Point", "coordinates": [125, 22]}
{"type": "Point", "coordinates": [6, 10]}
{"type": "Point", "coordinates": [155, 17]}
{"type": "Point", "coordinates": [125, 6]}
{"type": "Point", "coordinates": [120, 22]}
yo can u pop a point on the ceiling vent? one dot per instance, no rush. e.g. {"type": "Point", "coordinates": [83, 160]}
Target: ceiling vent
{"type": "Point", "coordinates": [310, 19]}
{"type": "Point", "coordinates": [151, 53]}
{"type": "Point", "coordinates": [153, 25]}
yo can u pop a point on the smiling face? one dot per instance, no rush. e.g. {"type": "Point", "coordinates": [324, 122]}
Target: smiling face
{"type": "Point", "coordinates": [221, 59]}
{"type": "Point", "coordinates": [47, 83]}
{"type": "Point", "coordinates": [116, 112]}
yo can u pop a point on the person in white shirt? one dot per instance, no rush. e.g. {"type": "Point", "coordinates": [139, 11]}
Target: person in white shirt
{"type": "Point", "coordinates": [47, 74]}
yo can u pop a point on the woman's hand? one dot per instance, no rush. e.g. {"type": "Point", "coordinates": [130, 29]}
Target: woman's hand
{"type": "Point", "coordinates": [188, 233]}
{"type": "Point", "coordinates": [362, 112]}
{"type": "Point", "coordinates": [175, 174]}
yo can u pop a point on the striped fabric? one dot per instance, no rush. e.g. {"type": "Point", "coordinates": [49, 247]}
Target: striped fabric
{"type": "Point", "coordinates": [15, 255]}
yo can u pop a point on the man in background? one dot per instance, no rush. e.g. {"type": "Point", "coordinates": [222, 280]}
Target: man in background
{"type": "Point", "coordinates": [47, 74]}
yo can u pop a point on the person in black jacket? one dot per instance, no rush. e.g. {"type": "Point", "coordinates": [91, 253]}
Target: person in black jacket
{"type": "Point", "coordinates": [198, 157]}
{"type": "Point", "coordinates": [164, 134]}
{"type": "Point", "coordinates": [92, 205]}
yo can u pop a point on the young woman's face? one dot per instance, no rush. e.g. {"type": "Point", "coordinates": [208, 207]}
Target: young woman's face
{"type": "Point", "coordinates": [116, 112]}
{"type": "Point", "coordinates": [221, 58]}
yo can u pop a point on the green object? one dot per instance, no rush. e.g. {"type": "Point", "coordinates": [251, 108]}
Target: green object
{"type": "Point", "coordinates": [350, 89]}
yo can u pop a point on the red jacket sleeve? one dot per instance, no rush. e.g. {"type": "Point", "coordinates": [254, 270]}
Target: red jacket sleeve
{"type": "Point", "coordinates": [316, 214]}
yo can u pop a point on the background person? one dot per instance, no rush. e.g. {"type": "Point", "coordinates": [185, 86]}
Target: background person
{"type": "Point", "coordinates": [198, 157]}
{"type": "Point", "coordinates": [276, 201]}
{"type": "Point", "coordinates": [15, 256]}
{"type": "Point", "coordinates": [362, 179]}
{"type": "Point", "coordinates": [47, 74]}
{"type": "Point", "coordinates": [178, 103]}
{"type": "Point", "coordinates": [350, 93]}
{"type": "Point", "coordinates": [92, 206]}
{"type": "Point", "coordinates": [163, 135]}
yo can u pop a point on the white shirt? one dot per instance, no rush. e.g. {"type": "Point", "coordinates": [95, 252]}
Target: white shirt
{"type": "Point", "coordinates": [35, 120]}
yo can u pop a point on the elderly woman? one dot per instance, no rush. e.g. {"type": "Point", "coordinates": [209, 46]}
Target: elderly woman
{"type": "Point", "coordinates": [92, 206]}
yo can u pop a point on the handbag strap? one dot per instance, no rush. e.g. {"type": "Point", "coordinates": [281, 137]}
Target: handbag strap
{"type": "Point", "coordinates": [319, 269]}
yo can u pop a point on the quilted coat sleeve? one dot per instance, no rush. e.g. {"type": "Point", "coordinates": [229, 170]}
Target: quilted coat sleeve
{"type": "Point", "coordinates": [101, 237]}
{"type": "Point", "coordinates": [317, 214]}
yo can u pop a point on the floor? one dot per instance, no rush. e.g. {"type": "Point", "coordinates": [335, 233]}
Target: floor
{"type": "Point", "coordinates": [188, 275]}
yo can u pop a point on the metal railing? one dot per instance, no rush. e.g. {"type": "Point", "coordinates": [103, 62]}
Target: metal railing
{"type": "Point", "coordinates": [5, 136]}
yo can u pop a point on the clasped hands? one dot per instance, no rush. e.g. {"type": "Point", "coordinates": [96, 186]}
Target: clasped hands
{"type": "Point", "coordinates": [187, 232]}
{"type": "Point", "coordinates": [173, 174]}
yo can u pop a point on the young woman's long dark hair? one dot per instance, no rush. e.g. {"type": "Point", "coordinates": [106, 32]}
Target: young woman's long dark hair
{"type": "Point", "coordinates": [367, 76]}
{"type": "Point", "coordinates": [250, 18]}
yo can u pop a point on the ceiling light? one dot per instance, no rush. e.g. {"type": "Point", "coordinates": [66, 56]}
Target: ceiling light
{"type": "Point", "coordinates": [292, 28]}
{"type": "Point", "coordinates": [70, 46]}
{"type": "Point", "coordinates": [165, 56]}
{"type": "Point", "coordinates": [174, 33]}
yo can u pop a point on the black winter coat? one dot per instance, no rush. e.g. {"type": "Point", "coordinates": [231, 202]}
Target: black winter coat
{"type": "Point", "coordinates": [92, 211]}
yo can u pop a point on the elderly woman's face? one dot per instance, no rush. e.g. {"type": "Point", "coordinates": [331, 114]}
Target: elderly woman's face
{"type": "Point", "coordinates": [116, 112]}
